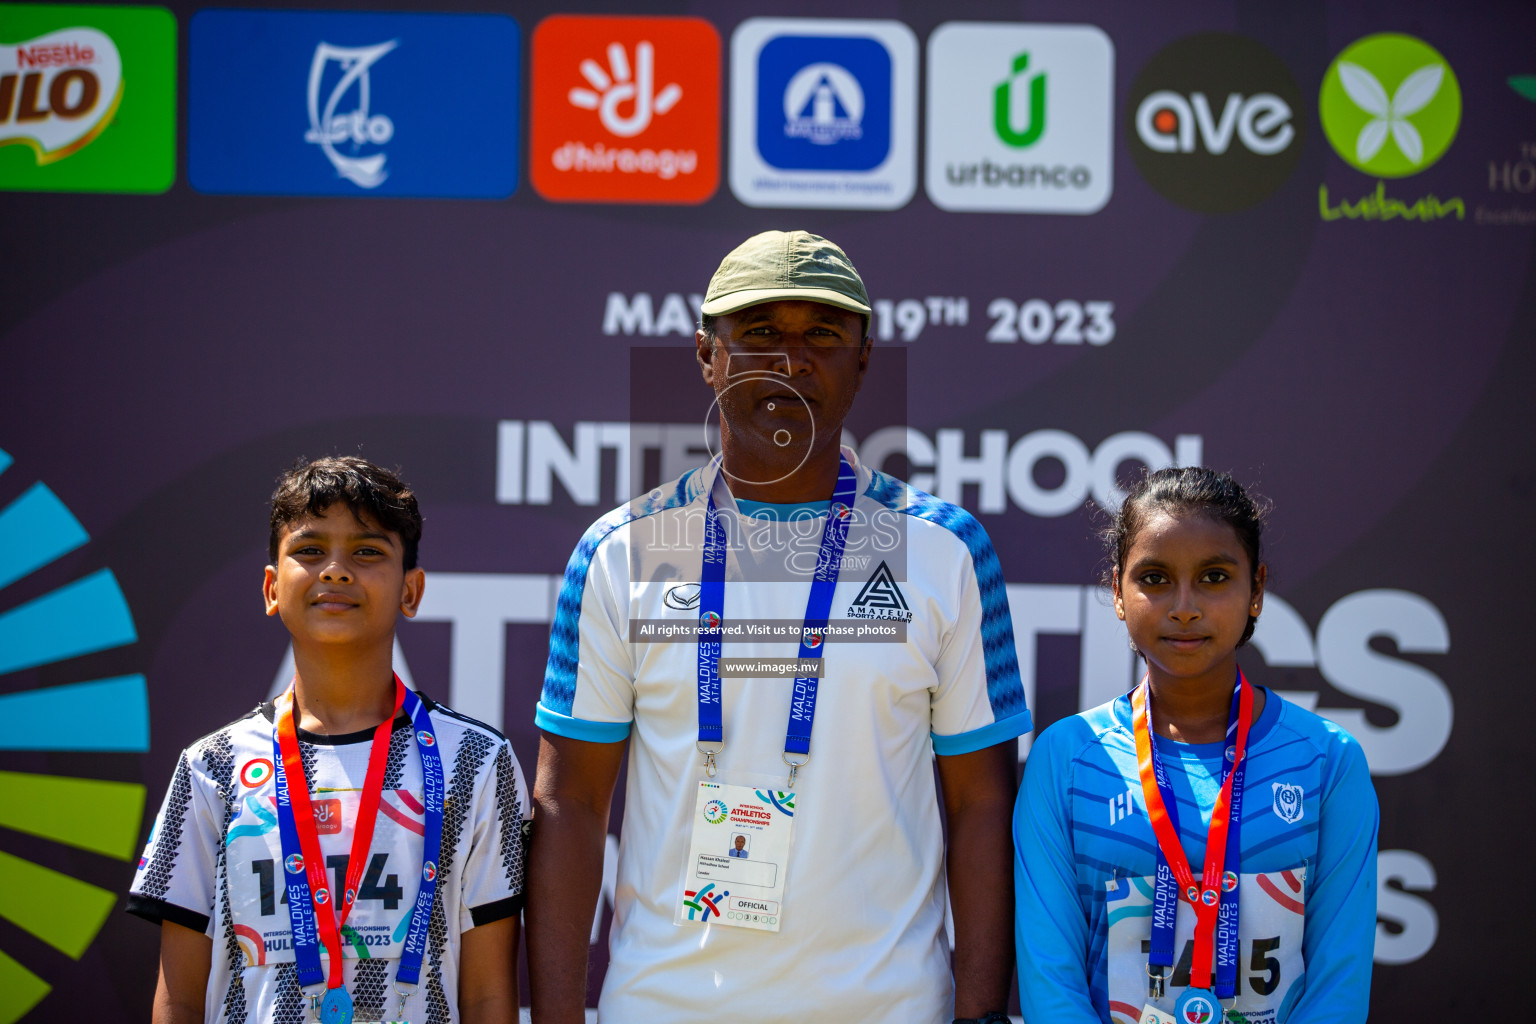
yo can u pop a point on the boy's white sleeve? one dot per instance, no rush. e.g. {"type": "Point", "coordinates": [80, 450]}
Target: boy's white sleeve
{"type": "Point", "coordinates": [175, 880]}
{"type": "Point", "coordinates": [492, 876]}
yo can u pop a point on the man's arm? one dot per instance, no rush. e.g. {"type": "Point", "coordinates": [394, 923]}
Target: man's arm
{"type": "Point", "coordinates": [185, 959]}
{"type": "Point", "coordinates": [488, 973]}
{"type": "Point", "coordinates": [978, 791]}
{"type": "Point", "coordinates": [572, 795]}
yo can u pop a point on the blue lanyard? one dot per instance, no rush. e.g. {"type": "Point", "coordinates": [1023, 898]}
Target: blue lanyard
{"type": "Point", "coordinates": [1165, 899]}
{"type": "Point", "coordinates": [301, 911]}
{"type": "Point", "coordinates": [802, 708]}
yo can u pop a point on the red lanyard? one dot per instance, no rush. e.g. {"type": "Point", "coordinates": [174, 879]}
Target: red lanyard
{"type": "Point", "coordinates": [1205, 898]}
{"type": "Point", "coordinates": [327, 915]}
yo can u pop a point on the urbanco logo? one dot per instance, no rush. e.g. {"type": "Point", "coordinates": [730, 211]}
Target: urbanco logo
{"type": "Point", "coordinates": [625, 109]}
{"type": "Point", "coordinates": [823, 113]}
{"type": "Point", "coordinates": [1213, 122]}
{"type": "Point", "coordinates": [1390, 105]}
{"type": "Point", "coordinates": [66, 74]}
{"type": "Point", "coordinates": [1020, 117]}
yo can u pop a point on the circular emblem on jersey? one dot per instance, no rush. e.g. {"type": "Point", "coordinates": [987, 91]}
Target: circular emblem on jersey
{"type": "Point", "coordinates": [714, 812]}
{"type": "Point", "coordinates": [294, 864]}
{"type": "Point", "coordinates": [841, 511]}
{"type": "Point", "coordinates": [349, 897]}
{"type": "Point", "coordinates": [1229, 881]}
{"type": "Point", "coordinates": [813, 639]}
{"type": "Point", "coordinates": [426, 739]}
{"type": "Point", "coordinates": [709, 620]}
{"type": "Point", "coordinates": [429, 871]}
{"type": "Point", "coordinates": [1209, 897]}
{"type": "Point", "coordinates": [254, 772]}
{"type": "Point", "coordinates": [1196, 1006]}
{"type": "Point", "coordinates": [1192, 894]}
{"type": "Point", "coordinates": [322, 896]}
{"type": "Point", "coordinates": [1231, 754]}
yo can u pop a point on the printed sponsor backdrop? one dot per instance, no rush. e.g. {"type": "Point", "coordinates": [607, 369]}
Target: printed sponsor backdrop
{"type": "Point", "coordinates": [1290, 240]}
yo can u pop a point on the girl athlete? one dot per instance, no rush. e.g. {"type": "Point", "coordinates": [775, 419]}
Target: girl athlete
{"type": "Point", "coordinates": [1198, 848]}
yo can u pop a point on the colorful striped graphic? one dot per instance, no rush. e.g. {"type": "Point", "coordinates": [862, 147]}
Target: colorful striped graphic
{"type": "Point", "coordinates": [100, 816]}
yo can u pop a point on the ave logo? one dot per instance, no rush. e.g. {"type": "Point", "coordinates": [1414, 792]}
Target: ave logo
{"type": "Point", "coordinates": [625, 109]}
{"type": "Point", "coordinates": [1214, 122]}
{"type": "Point", "coordinates": [1020, 118]}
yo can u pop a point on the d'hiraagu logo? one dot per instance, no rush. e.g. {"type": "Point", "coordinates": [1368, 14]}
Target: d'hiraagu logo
{"type": "Point", "coordinates": [325, 103]}
{"type": "Point", "coordinates": [87, 98]}
{"type": "Point", "coordinates": [1390, 106]}
{"type": "Point", "coordinates": [53, 724]}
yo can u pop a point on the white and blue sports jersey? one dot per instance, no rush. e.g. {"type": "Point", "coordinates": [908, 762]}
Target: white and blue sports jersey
{"type": "Point", "coordinates": [214, 861]}
{"type": "Point", "coordinates": [1085, 856]}
{"type": "Point", "coordinates": [862, 931]}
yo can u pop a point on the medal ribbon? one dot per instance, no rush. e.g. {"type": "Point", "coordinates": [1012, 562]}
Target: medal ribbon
{"type": "Point", "coordinates": [1212, 899]}
{"type": "Point", "coordinates": [829, 558]}
{"type": "Point", "coordinates": [312, 916]}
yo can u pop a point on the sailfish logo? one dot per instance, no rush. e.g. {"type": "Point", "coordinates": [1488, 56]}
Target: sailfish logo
{"type": "Point", "coordinates": [1002, 106]}
{"type": "Point", "coordinates": [359, 127]}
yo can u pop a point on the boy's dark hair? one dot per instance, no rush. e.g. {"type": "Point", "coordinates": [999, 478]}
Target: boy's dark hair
{"type": "Point", "coordinates": [1185, 490]}
{"type": "Point", "coordinates": [308, 488]}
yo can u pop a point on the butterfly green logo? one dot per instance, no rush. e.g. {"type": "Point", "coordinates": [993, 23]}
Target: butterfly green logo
{"type": "Point", "coordinates": [1390, 105]}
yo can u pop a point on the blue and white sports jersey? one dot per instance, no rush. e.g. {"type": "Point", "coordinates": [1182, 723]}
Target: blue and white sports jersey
{"type": "Point", "coordinates": [862, 929]}
{"type": "Point", "coordinates": [1085, 856]}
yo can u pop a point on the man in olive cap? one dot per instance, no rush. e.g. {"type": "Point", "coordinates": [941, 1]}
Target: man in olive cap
{"type": "Point", "coordinates": [839, 913]}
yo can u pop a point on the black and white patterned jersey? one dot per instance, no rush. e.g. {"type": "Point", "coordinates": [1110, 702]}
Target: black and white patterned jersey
{"type": "Point", "coordinates": [213, 862]}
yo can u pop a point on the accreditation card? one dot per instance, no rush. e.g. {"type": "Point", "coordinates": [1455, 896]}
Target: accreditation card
{"type": "Point", "coordinates": [738, 853]}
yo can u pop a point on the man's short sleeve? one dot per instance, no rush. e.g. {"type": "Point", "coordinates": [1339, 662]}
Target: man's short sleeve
{"type": "Point", "coordinates": [978, 700]}
{"type": "Point", "coordinates": [493, 866]}
{"type": "Point", "coordinates": [589, 690]}
{"type": "Point", "coordinates": [175, 879]}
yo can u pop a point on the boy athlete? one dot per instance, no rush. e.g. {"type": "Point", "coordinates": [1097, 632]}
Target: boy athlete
{"type": "Point", "coordinates": [352, 850]}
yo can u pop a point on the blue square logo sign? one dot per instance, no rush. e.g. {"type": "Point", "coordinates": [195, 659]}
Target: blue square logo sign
{"type": "Point", "coordinates": [823, 113]}
{"type": "Point", "coordinates": [324, 103]}
{"type": "Point", "coordinates": [824, 103]}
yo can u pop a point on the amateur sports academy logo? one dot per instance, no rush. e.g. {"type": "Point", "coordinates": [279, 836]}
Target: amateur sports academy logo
{"type": "Point", "coordinates": [625, 109]}
{"type": "Point", "coordinates": [66, 74]}
{"type": "Point", "coordinates": [353, 104]}
{"type": "Point", "coordinates": [1020, 118]}
{"type": "Point", "coordinates": [880, 598]}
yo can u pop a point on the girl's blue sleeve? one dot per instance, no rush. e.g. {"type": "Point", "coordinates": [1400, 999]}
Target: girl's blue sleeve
{"type": "Point", "coordinates": [1050, 927]}
{"type": "Point", "coordinates": [1340, 932]}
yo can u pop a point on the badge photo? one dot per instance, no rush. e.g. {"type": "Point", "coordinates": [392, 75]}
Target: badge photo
{"type": "Point", "coordinates": [1020, 118]}
{"type": "Point", "coordinates": [823, 113]}
{"type": "Point", "coordinates": [625, 110]}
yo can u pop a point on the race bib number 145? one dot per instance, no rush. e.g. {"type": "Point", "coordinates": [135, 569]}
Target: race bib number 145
{"type": "Point", "coordinates": [1271, 911]}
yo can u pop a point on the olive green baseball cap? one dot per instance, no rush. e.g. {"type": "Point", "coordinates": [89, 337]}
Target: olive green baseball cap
{"type": "Point", "coordinates": [785, 265]}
